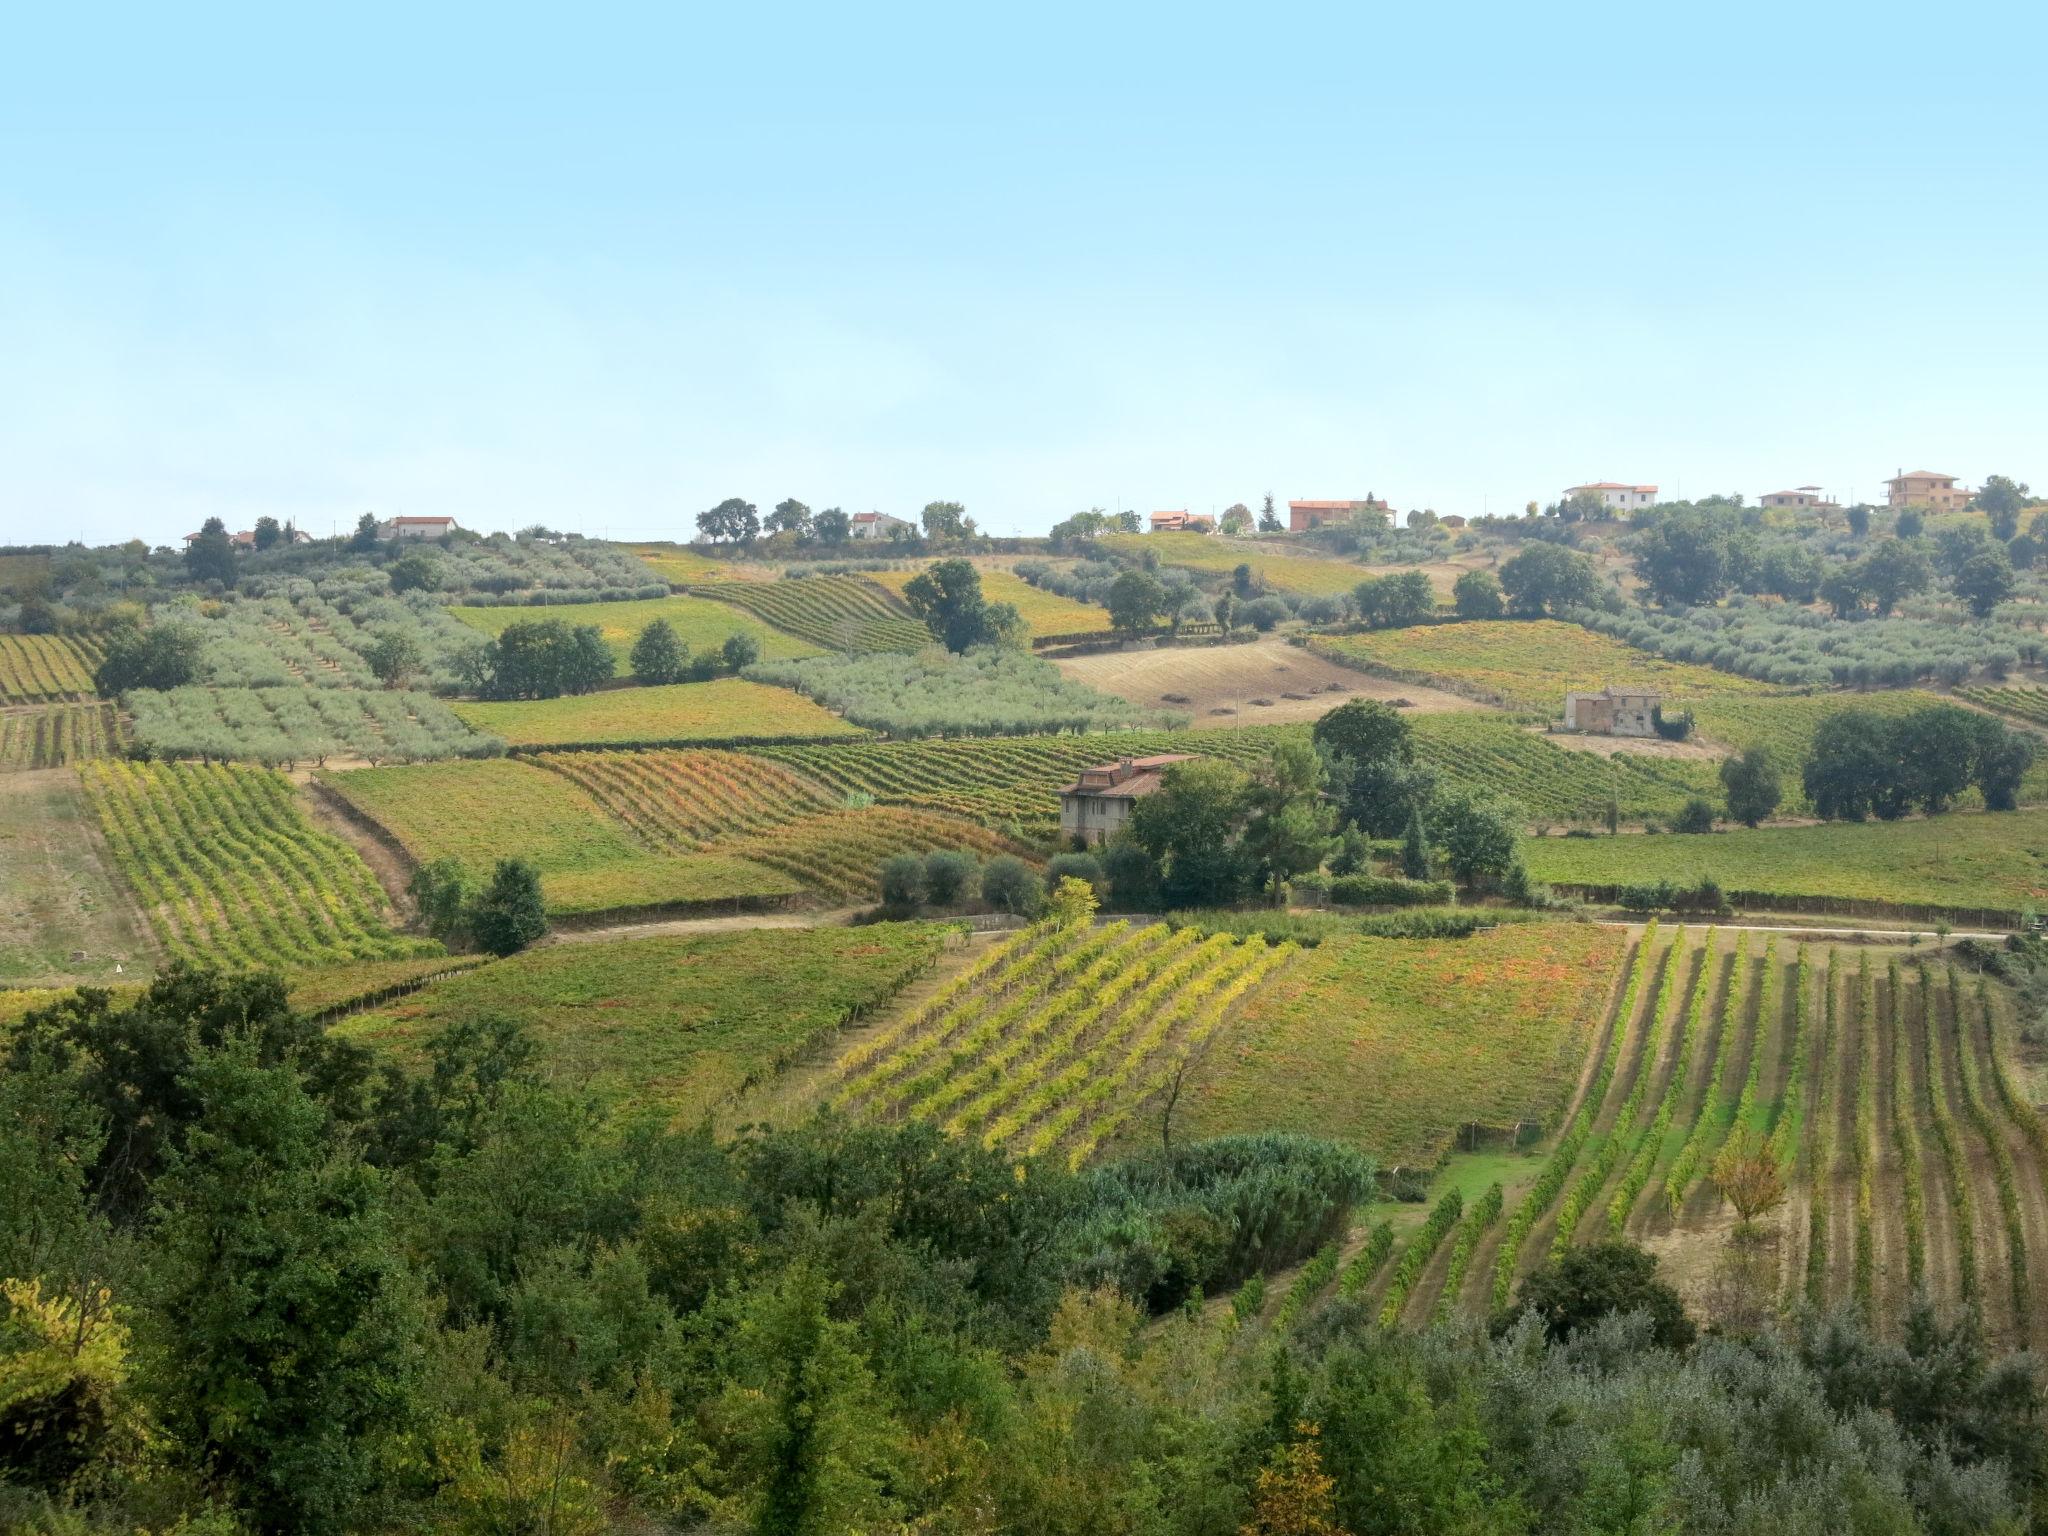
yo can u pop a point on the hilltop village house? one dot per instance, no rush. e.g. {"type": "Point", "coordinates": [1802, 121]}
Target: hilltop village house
{"type": "Point", "coordinates": [1612, 712]}
{"type": "Point", "coordinates": [1304, 515]}
{"type": "Point", "coordinates": [1615, 496]}
{"type": "Point", "coordinates": [1183, 521]}
{"type": "Point", "coordinates": [1924, 488]}
{"type": "Point", "coordinates": [878, 525]}
{"type": "Point", "coordinates": [416, 528]}
{"type": "Point", "coordinates": [1094, 808]}
{"type": "Point", "coordinates": [1804, 498]}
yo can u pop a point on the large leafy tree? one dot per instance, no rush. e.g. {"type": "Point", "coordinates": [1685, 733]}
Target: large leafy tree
{"type": "Point", "coordinates": [1192, 826]}
{"type": "Point", "coordinates": [1476, 594]}
{"type": "Point", "coordinates": [1985, 581]}
{"type": "Point", "coordinates": [1479, 838]}
{"type": "Point", "coordinates": [832, 526]}
{"type": "Point", "coordinates": [509, 913]}
{"type": "Point", "coordinates": [1750, 782]}
{"type": "Point", "coordinates": [266, 532]}
{"type": "Point", "coordinates": [161, 656]}
{"type": "Point", "coordinates": [1547, 579]}
{"type": "Point", "coordinates": [1396, 601]}
{"type": "Point", "coordinates": [1693, 555]}
{"type": "Point", "coordinates": [1135, 602]}
{"type": "Point", "coordinates": [1369, 755]}
{"type": "Point", "coordinates": [734, 519]}
{"type": "Point", "coordinates": [2002, 496]}
{"type": "Point", "coordinates": [789, 516]}
{"type": "Point", "coordinates": [1586, 1284]}
{"type": "Point", "coordinates": [1288, 823]}
{"type": "Point", "coordinates": [1895, 570]}
{"type": "Point", "coordinates": [946, 598]}
{"type": "Point", "coordinates": [541, 659]}
{"type": "Point", "coordinates": [659, 654]}
{"type": "Point", "coordinates": [211, 556]}
{"type": "Point", "coordinates": [945, 521]}
{"type": "Point", "coordinates": [279, 1336]}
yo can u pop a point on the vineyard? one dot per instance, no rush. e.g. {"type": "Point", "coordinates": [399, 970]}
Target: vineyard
{"type": "Point", "coordinates": [725, 710]}
{"type": "Point", "coordinates": [1057, 1036]}
{"type": "Point", "coordinates": [286, 726]}
{"type": "Point", "coordinates": [55, 735]}
{"type": "Point", "coordinates": [835, 613]}
{"type": "Point", "coordinates": [228, 868]}
{"type": "Point", "coordinates": [618, 830]}
{"type": "Point", "coordinates": [671, 1028]}
{"type": "Point", "coordinates": [36, 668]}
{"type": "Point", "coordinates": [1396, 1043]}
{"type": "Point", "coordinates": [1526, 664]}
{"type": "Point", "coordinates": [2022, 703]}
{"type": "Point", "coordinates": [1483, 752]}
{"type": "Point", "coordinates": [679, 801]}
{"type": "Point", "coordinates": [1912, 1156]}
{"type": "Point", "coordinates": [1964, 860]}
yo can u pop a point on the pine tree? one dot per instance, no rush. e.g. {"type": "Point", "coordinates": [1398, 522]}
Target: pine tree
{"type": "Point", "coordinates": [510, 913]}
{"type": "Point", "coordinates": [1415, 849]}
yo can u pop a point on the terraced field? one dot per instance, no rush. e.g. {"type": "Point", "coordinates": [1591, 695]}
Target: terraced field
{"type": "Point", "coordinates": [679, 801]}
{"type": "Point", "coordinates": [35, 669]}
{"type": "Point", "coordinates": [834, 613]}
{"type": "Point", "coordinates": [613, 831]}
{"type": "Point", "coordinates": [1056, 1037]}
{"type": "Point", "coordinates": [55, 735]}
{"type": "Point", "coordinates": [227, 867]}
{"type": "Point", "coordinates": [1875, 1077]}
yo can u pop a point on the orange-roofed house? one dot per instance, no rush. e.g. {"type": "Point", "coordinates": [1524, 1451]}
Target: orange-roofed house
{"type": "Point", "coordinates": [1304, 515]}
{"type": "Point", "coordinates": [1924, 488]}
{"type": "Point", "coordinates": [1803, 498]}
{"type": "Point", "coordinates": [1183, 521]}
{"type": "Point", "coordinates": [417, 528]}
{"type": "Point", "coordinates": [1094, 808]}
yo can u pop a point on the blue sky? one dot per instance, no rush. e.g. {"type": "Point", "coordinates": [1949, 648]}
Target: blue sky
{"type": "Point", "coordinates": [604, 266]}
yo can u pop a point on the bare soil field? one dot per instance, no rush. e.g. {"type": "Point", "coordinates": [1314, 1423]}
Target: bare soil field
{"type": "Point", "coordinates": [1634, 746]}
{"type": "Point", "coordinates": [59, 895]}
{"type": "Point", "coordinates": [1266, 683]}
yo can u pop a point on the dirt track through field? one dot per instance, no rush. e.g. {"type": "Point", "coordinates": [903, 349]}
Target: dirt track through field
{"type": "Point", "coordinates": [1892, 1285]}
{"type": "Point", "coordinates": [1836, 1182]}
{"type": "Point", "coordinates": [1220, 686]}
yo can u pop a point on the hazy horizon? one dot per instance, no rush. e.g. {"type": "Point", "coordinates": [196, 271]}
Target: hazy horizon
{"type": "Point", "coordinates": [602, 280]}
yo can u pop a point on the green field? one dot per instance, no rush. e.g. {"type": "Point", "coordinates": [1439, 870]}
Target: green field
{"type": "Point", "coordinates": [681, 714]}
{"type": "Point", "coordinates": [1303, 574]}
{"type": "Point", "coordinates": [672, 1027]}
{"type": "Point", "coordinates": [1965, 859]}
{"type": "Point", "coordinates": [1395, 1043]}
{"type": "Point", "coordinates": [58, 898]}
{"type": "Point", "coordinates": [1044, 613]}
{"type": "Point", "coordinates": [700, 623]}
{"type": "Point", "coordinates": [1527, 663]}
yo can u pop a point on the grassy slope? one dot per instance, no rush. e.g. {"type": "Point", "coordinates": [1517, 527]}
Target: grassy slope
{"type": "Point", "coordinates": [1395, 1043]}
{"type": "Point", "coordinates": [1975, 860]}
{"type": "Point", "coordinates": [1044, 613]}
{"type": "Point", "coordinates": [58, 896]}
{"type": "Point", "coordinates": [729, 709]}
{"type": "Point", "coordinates": [702, 624]}
{"type": "Point", "coordinates": [671, 1026]}
{"type": "Point", "coordinates": [1305, 574]}
{"type": "Point", "coordinates": [1532, 662]}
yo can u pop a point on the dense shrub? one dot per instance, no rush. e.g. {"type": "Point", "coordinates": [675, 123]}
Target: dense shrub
{"type": "Point", "coordinates": [1008, 885]}
{"type": "Point", "coordinates": [902, 881]}
{"type": "Point", "coordinates": [1214, 1213]}
{"type": "Point", "coordinates": [1079, 866]}
{"type": "Point", "coordinates": [951, 876]}
{"type": "Point", "coordinates": [1388, 891]}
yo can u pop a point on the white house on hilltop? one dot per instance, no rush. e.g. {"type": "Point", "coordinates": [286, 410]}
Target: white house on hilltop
{"type": "Point", "coordinates": [876, 525]}
{"type": "Point", "coordinates": [416, 528]}
{"type": "Point", "coordinates": [1616, 496]}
